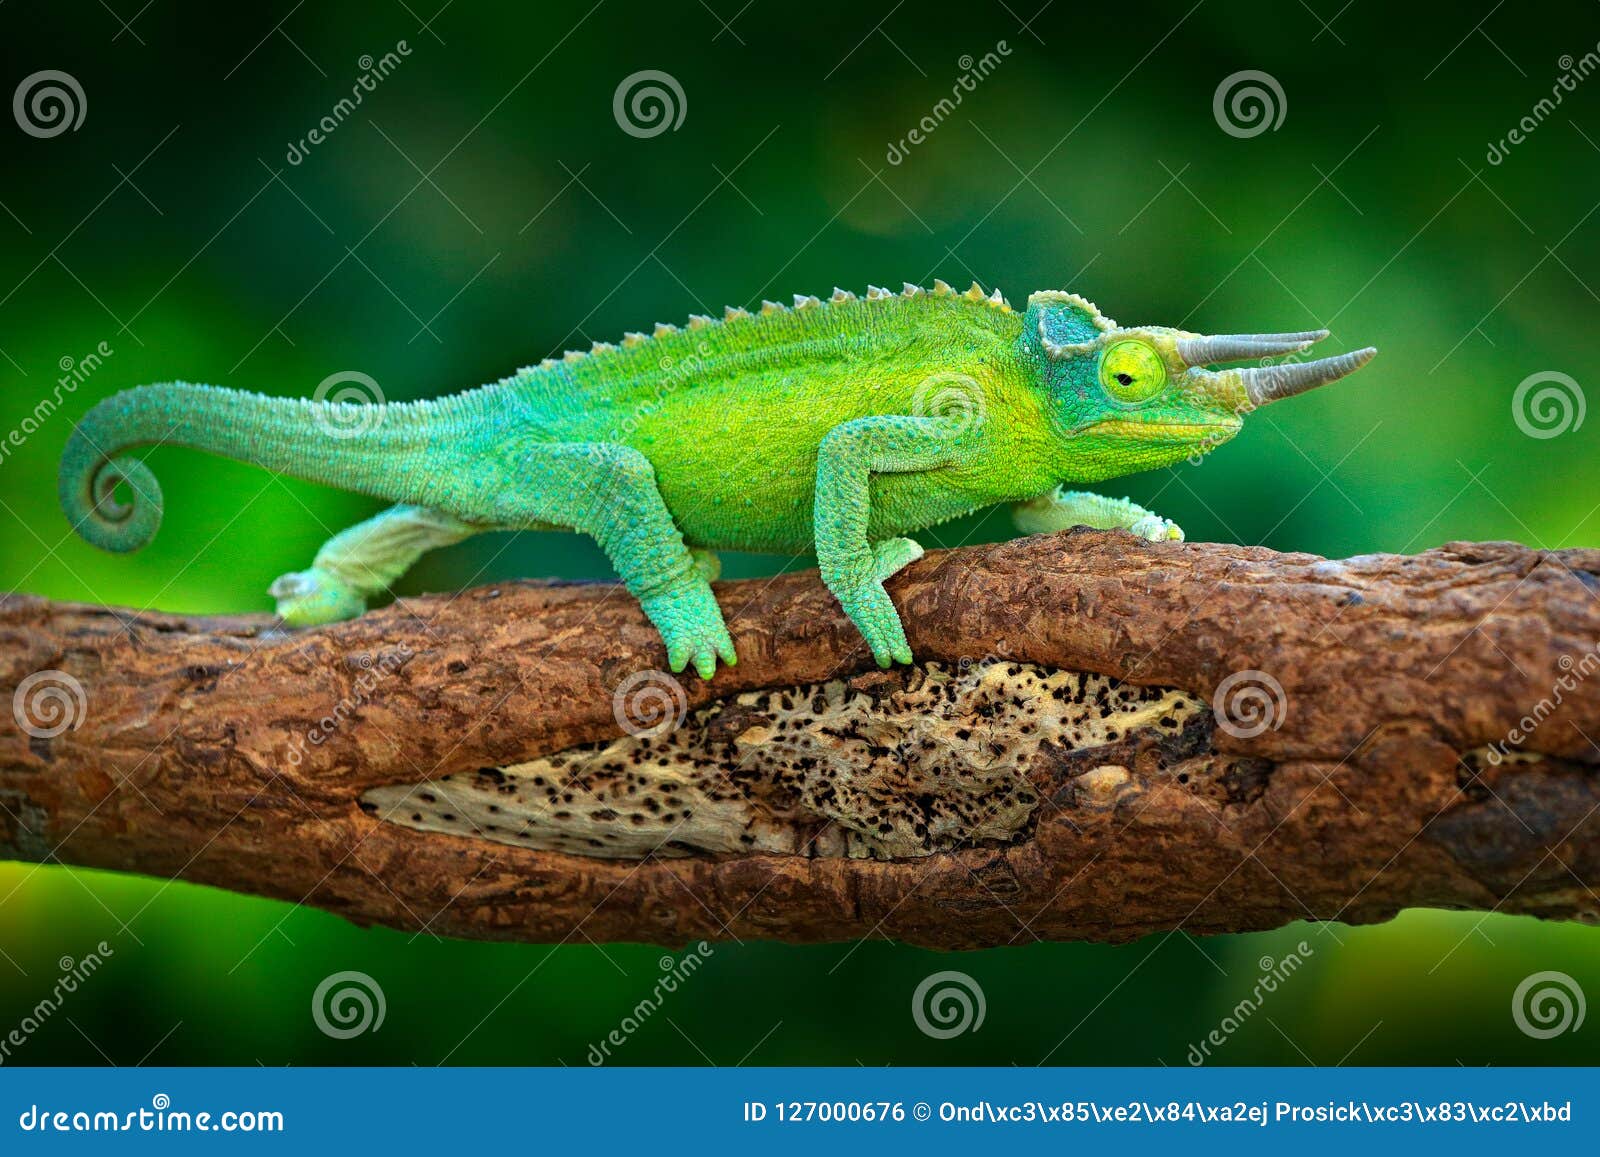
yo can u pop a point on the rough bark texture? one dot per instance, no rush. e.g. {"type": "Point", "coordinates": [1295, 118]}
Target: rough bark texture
{"type": "Point", "coordinates": [202, 748]}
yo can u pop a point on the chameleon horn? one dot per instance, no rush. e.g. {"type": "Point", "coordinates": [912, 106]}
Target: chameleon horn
{"type": "Point", "coordinates": [1237, 347]}
{"type": "Point", "coordinates": [1263, 384]}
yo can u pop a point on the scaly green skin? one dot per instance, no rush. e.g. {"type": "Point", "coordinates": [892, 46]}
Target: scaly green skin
{"type": "Point", "coordinates": [837, 427]}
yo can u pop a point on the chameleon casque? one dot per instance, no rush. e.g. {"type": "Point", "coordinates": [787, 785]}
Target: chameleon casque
{"type": "Point", "coordinates": [837, 426]}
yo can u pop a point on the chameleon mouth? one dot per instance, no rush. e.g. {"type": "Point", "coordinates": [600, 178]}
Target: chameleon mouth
{"type": "Point", "coordinates": [1146, 431]}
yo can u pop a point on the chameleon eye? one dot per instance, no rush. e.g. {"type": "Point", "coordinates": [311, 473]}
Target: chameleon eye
{"type": "Point", "coordinates": [1131, 371]}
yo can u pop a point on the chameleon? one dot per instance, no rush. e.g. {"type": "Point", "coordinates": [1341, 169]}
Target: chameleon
{"type": "Point", "coordinates": [836, 426]}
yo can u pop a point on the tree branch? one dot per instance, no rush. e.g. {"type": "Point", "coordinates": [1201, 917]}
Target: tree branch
{"type": "Point", "coordinates": [1000, 792]}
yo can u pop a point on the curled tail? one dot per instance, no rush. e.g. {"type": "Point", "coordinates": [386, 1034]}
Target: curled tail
{"type": "Point", "coordinates": [376, 449]}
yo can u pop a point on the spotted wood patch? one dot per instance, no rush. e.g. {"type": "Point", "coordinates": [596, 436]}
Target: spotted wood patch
{"type": "Point", "coordinates": [890, 765]}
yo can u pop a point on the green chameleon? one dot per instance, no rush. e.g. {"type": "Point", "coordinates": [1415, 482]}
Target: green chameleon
{"type": "Point", "coordinates": [835, 426]}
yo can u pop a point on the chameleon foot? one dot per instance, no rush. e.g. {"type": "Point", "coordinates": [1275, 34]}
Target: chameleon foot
{"type": "Point", "coordinates": [892, 555]}
{"type": "Point", "coordinates": [873, 613]}
{"type": "Point", "coordinates": [691, 626]}
{"type": "Point", "coordinates": [1154, 528]}
{"type": "Point", "coordinates": [310, 598]}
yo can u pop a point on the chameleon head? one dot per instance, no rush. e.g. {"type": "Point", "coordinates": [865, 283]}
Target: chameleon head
{"type": "Point", "coordinates": [1142, 397]}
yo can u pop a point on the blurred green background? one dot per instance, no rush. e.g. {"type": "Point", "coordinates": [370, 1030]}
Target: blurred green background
{"type": "Point", "coordinates": [483, 208]}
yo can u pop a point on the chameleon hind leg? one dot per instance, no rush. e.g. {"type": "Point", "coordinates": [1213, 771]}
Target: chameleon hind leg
{"type": "Point", "coordinates": [608, 491]}
{"type": "Point", "coordinates": [1062, 508]}
{"type": "Point", "coordinates": [853, 568]}
{"type": "Point", "coordinates": [361, 562]}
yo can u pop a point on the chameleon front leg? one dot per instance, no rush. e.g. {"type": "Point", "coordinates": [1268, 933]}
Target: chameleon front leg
{"type": "Point", "coordinates": [608, 491]}
{"type": "Point", "coordinates": [1062, 508]}
{"type": "Point", "coordinates": [361, 562]}
{"type": "Point", "coordinates": [854, 569]}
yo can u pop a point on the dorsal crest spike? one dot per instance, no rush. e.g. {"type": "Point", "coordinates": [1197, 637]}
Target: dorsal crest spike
{"type": "Point", "coordinates": [802, 301]}
{"type": "Point", "coordinates": [698, 321]}
{"type": "Point", "coordinates": [975, 293]}
{"type": "Point", "coordinates": [601, 347]}
{"type": "Point", "coordinates": [942, 288]}
{"type": "Point", "coordinates": [841, 296]}
{"type": "Point", "coordinates": [770, 307]}
{"type": "Point", "coordinates": [662, 329]}
{"type": "Point", "coordinates": [910, 290]}
{"type": "Point", "coordinates": [573, 356]}
{"type": "Point", "coordinates": [734, 313]}
{"type": "Point", "coordinates": [877, 293]}
{"type": "Point", "coordinates": [631, 339]}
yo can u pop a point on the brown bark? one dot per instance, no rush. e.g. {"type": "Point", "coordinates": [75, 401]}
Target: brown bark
{"type": "Point", "coordinates": [1359, 802]}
